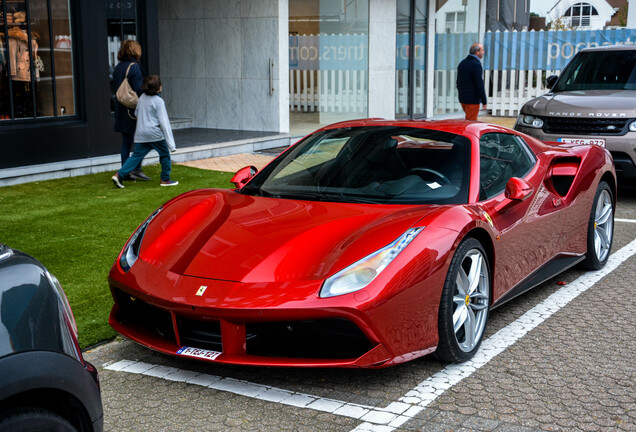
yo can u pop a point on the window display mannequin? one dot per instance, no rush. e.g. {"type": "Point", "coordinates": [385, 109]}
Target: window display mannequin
{"type": "Point", "coordinates": [19, 55]}
{"type": "Point", "coordinates": [20, 70]}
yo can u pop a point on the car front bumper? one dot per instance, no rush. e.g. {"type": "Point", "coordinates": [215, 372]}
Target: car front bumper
{"type": "Point", "coordinates": [276, 324]}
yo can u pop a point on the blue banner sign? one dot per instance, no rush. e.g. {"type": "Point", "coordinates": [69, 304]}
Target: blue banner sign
{"type": "Point", "coordinates": [533, 50]}
{"type": "Point", "coordinates": [329, 52]}
{"type": "Point", "coordinates": [546, 50]}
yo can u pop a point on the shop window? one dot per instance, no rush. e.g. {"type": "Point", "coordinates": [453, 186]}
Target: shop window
{"type": "Point", "coordinates": [36, 59]}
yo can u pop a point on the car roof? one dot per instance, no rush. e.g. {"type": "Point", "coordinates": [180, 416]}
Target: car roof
{"type": "Point", "coordinates": [459, 127]}
{"type": "Point", "coordinates": [454, 126]}
{"type": "Point", "coordinates": [610, 48]}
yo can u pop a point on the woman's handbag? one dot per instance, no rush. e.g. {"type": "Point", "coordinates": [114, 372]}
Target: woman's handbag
{"type": "Point", "coordinates": [125, 94]}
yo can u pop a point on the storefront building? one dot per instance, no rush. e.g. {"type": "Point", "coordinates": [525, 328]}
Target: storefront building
{"type": "Point", "coordinates": [281, 67]}
{"type": "Point", "coordinates": [55, 98]}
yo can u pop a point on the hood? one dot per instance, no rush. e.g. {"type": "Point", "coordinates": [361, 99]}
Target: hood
{"type": "Point", "coordinates": [224, 235]}
{"type": "Point", "coordinates": [589, 103]}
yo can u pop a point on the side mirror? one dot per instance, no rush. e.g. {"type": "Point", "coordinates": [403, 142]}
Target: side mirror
{"type": "Point", "coordinates": [244, 175]}
{"type": "Point", "coordinates": [551, 80]}
{"type": "Point", "coordinates": [518, 189]}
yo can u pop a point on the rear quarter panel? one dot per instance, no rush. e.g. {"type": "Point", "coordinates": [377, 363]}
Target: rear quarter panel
{"type": "Point", "coordinates": [596, 164]}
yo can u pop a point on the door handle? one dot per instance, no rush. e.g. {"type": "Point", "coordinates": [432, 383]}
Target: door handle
{"type": "Point", "coordinates": [271, 77]}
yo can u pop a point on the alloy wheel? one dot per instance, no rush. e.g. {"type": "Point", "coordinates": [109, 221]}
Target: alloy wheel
{"type": "Point", "coordinates": [603, 225]}
{"type": "Point", "coordinates": [470, 309]}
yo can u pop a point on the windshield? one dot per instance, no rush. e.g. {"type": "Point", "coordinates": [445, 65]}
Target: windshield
{"type": "Point", "coordinates": [599, 70]}
{"type": "Point", "coordinates": [384, 165]}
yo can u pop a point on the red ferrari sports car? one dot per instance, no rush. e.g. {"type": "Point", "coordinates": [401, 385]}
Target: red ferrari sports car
{"type": "Point", "coordinates": [366, 244]}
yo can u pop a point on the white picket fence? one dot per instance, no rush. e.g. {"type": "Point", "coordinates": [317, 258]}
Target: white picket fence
{"type": "Point", "coordinates": [510, 89]}
{"type": "Point", "coordinates": [328, 91]}
{"type": "Point", "coordinates": [346, 91]}
{"type": "Point", "coordinates": [507, 91]}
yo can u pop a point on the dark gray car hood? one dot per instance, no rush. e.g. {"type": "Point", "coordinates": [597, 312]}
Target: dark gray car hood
{"type": "Point", "coordinates": [589, 103]}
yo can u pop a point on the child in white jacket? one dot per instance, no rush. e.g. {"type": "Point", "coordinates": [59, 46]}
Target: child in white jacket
{"type": "Point", "coordinates": [153, 132]}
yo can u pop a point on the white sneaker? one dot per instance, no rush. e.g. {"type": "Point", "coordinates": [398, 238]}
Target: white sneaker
{"type": "Point", "coordinates": [117, 180]}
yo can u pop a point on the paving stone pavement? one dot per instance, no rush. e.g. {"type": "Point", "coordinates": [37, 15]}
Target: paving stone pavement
{"type": "Point", "coordinates": [584, 378]}
{"type": "Point", "coordinates": [232, 163]}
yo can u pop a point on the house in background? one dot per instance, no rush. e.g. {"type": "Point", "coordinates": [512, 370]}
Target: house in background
{"type": "Point", "coordinates": [506, 15]}
{"type": "Point", "coordinates": [587, 15]}
{"type": "Point", "coordinates": [451, 16]}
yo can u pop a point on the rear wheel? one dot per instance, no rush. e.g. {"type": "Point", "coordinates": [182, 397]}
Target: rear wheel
{"type": "Point", "coordinates": [463, 309]}
{"type": "Point", "coordinates": [600, 231]}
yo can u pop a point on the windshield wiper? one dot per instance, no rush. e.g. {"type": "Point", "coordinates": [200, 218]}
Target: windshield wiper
{"type": "Point", "coordinates": [264, 193]}
{"type": "Point", "coordinates": [314, 196]}
{"type": "Point", "coordinates": [302, 196]}
{"type": "Point", "coordinates": [288, 195]}
{"type": "Point", "coordinates": [349, 198]}
{"type": "Point", "coordinates": [253, 191]}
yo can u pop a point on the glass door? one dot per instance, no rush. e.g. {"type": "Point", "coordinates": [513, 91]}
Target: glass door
{"type": "Point", "coordinates": [122, 25]}
{"type": "Point", "coordinates": [410, 70]}
{"type": "Point", "coordinates": [328, 62]}
{"type": "Point", "coordinates": [456, 29]}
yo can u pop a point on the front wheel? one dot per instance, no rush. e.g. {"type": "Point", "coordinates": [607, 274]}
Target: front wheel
{"type": "Point", "coordinates": [33, 419]}
{"type": "Point", "coordinates": [600, 230]}
{"type": "Point", "coordinates": [465, 302]}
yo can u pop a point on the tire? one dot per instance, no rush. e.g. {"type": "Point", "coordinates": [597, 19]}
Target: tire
{"type": "Point", "coordinates": [465, 303]}
{"type": "Point", "coordinates": [600, 229]}
{"type": "Point", "coordinates": [33, 420]}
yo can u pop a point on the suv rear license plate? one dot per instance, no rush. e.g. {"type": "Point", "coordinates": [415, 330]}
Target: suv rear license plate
{"type": "Point", "coordinates": [198, 353]}
{"type": "Point", "coordinates": [583, 141]}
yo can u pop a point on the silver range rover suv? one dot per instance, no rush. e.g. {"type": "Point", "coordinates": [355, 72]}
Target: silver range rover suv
{"type": "Point", "coordinates": [593, 101]}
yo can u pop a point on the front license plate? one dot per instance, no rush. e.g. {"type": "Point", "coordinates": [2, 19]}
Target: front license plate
{"type": "Point", "coordinates": [583, 141]}
{"type": "Point", "coordinates": [198, 353]}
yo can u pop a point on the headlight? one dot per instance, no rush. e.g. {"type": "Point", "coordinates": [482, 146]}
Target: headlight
{"type": "Point", "coordinates": [131, 250]}
{"type": "Point", "coordinates": [632, 126]}
{"type": "Point", "coordinates": [360, 274]}
{"type": "Point", "coordinates": [530, 121]}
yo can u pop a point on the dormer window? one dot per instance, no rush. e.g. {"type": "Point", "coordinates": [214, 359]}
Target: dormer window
{"type": "Point", "coordinates": [580, 14]}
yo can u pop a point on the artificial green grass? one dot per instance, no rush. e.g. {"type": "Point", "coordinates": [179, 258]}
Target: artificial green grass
{"type": "Point", "coordinates": [77, 226]}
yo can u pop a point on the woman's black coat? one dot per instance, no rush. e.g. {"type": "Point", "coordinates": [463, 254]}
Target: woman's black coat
{"type": "Point", "coordinates": [125, 117]}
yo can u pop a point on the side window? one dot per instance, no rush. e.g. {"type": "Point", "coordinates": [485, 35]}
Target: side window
{"type": "Point", "coordinates": [501, 156]}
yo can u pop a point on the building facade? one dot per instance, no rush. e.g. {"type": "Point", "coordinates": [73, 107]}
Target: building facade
{"type": "Point", "coordinates": [271, 66]}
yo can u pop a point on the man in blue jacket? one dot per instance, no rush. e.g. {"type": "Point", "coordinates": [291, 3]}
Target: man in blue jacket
{"type": "Point", "coordinates": [470, 82]}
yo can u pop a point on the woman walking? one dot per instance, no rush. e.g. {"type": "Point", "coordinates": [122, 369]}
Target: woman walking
{"type": "Point", "coordinates": [125, 120]}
